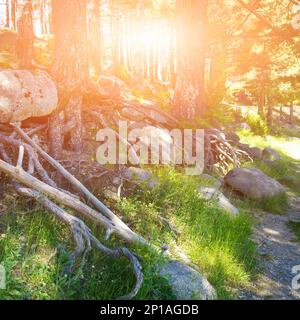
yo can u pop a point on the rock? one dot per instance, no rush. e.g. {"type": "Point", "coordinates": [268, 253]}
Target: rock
{"type": "Point", "coordinates": [109, 194]}
{"type": "Point", "coordinates": [255, 153]}
{"type": "Point", "coordinates": [208, 193]}
{"type": "Point", "coordinates": [244, 126]}
{"type": "Point", "coordinates": [140, 176]}
{"type": "Point", "coordinates": [253, 183]}
{"type": "Point", "coordinates": [25, 94]}
{"type": "Point", "coordinates": [109, 87]}
{"type": "Point", "coordinates": [244, 147]}
{"type": "Point", "coordinates": [187, 283]}
{"type": "Point", "coordinates": [270, 154]}
{"type": "Point", "coordinates": [213, 193]}
{"type": "Point", "coordinates": [232, 137]}
{"type": "Point", "coordinates": [226, 205]}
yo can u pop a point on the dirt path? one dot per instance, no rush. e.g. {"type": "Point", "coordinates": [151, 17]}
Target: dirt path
{"type": "Point", "coordinates": [279, 254]}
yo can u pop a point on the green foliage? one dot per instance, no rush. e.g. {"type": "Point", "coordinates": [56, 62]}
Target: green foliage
{"type": "Point", "coordinates": [34, 246]}
{"type": "Point", "coordinates": [217, 242]}
{"type": "Point", "coordinates": [295, 227]}
{"type": "Point", "coordinates": [257, 124]}
{"type": "Point", "coordinates": [221, 114]}
{"type": "Point", "coordinates": [275, 205]}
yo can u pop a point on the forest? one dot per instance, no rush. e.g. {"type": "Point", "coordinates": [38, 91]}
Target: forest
{"type": "Point", "coordinates": [149, 150]}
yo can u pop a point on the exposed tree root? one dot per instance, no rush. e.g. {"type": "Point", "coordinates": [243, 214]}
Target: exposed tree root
{"type": "Point", "coordinates": [29, 186]}
{"type": "Point", "coordinates": [84, 238]}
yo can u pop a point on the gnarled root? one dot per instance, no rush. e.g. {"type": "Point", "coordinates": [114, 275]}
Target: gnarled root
{"type": "Point", "coordinates": [84, 238]}
{"type": "Point", "coordinates": [37, 190]}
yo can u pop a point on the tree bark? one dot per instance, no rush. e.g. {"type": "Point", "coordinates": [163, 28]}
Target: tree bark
{"type": "Point", "coordinates": [25, 36]}
{"type": "Point", "coordinates": [94, 37]}
{"type": "Point", "coordinates": [13, 13]}
{"type": "Point", "coordinates": [189, 99]}
{"type": "Point", "coordinates": [70, 70]}
{"type": "Point", "coordinates": [7, 14]}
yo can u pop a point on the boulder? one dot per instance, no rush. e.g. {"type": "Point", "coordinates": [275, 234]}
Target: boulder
{"type": "Point", "coordinates": [226, 205]}
{"type": "Point", "coordinates": [187, 283]}
{"type": "Point", "coordinates": [140, 176]}
{"type": "Point", "coordinates": [255, 153]}
{"type": "Point", "coordinates": [213, 193]}
{"type": "Point", "coordinates": [270, 154]}
{"type": "Point", "coordinates": [253, 183]}
{"type": "Point", "coordinates": [233, 137]}
{"type": "Point", "coordinates": [25, 94]}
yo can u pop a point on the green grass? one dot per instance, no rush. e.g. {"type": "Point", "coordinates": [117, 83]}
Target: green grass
{"type": "Point", "coordinates": [275, 205]}
{"type": "Point", "coordinates": [34, 246]}
{"type": "Point", "coordinates": [295, 227]}
{"type": "Point", "coordinates": [215, 241]}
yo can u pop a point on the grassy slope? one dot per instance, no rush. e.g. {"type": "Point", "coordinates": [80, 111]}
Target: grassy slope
{"type": "Point", "coordinates": [34, 246]}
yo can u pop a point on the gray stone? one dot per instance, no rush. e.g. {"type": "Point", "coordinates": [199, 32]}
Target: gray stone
{"type": "Point", "coordinates": [187, 283]}
{"type": "Point", "coordinates": [213, 193]}
{"type": "Point", "coordinates": [233, 137]}
{"type": "Point", "coordinates": [270, 154]}
{"type": "Point", "coordinates": [140, 176]}
{"type": "Point", "coordinates": [226, 205]}
{"type": "Point", "coordinates": [208, 193]}
{"type": "Point", "coordinates": [25, 94]}
{"type": "Point", "coordinates": [245, 126]}
{"type": "Point", "coordinates": [255, 153]}
{"type": "Point", "coordinates": [253, 183]}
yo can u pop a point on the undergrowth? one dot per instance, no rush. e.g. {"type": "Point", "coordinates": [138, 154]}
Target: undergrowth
{"type": "Point", "coordinates": [34, 246]}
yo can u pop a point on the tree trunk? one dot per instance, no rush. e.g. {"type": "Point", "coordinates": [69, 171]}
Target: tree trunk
{"type": "Point", "coordinates": [292, 113]}
{"type": "Point", "coordinates": [70, 70]}
{"type": "Point", "coordinates": [94, 37]}
{"type": "Point", "coordinates": [42, 24]}
{"type": "Point", "coordinates": [7, 15]}
{"type": "Point", "coordinates": [189, 99]}
{"type": "Point", "coordinates": [270, 112]}
{"type": "Point", "coordinates": [25, 34]}
{"type": "Point", "coordinates": [13, 13]}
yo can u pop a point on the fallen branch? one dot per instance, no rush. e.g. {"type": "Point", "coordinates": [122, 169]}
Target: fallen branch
{"type": "Point", "coordinates": [70, 201]}
{"type": "Point", "coordinates": [84, 237]}
{"type": "Point", "coordinates": [78, 185]}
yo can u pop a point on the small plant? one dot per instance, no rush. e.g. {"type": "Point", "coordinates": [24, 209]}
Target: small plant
{"type": "Point", "coordinates": [257, 124]}
{"type": "Point", "coordinates": [276, 205]}
{"type": "Point", "coordinates": [295, 227]}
